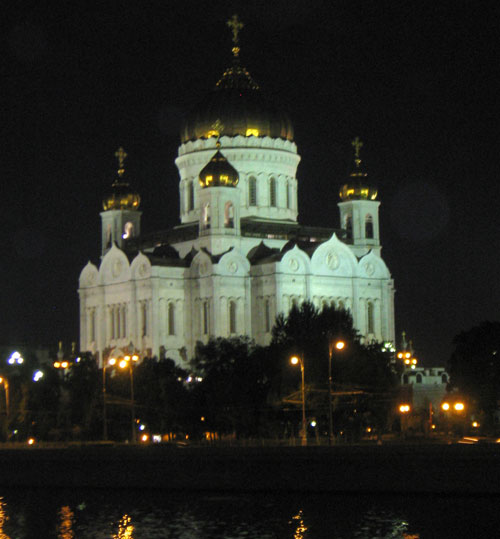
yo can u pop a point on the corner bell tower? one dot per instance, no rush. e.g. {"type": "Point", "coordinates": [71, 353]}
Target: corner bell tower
{"type": "Point", "coordinates": [359, 208]}
{"type": "Point", "coordinates": [120, 219]}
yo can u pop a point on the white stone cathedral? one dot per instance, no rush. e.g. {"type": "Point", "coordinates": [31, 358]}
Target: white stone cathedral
{"type": "Point", "coordinates": [238, 257]}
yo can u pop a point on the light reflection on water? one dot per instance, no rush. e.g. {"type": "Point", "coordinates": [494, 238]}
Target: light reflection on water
{"type": "Point", "coordinates": [138, 514]}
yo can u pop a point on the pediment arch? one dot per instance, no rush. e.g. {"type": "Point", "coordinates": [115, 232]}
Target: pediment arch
{"type": "Point", "coordinates": [115, 267]}
{"type": "Point", "coordinates": [333, 257]}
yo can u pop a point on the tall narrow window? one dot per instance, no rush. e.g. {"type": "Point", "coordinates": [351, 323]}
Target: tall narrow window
{"type": "Point", "coordinates": [370, 314]}
{"type": "Point", "coordinates": [272, 192]}
{"type": "Point", "coordinates": [190, 196]}
{"type": "Point", "coordinates": [232, 317]}
{"type": "Point", "coordinates": [252, 191]}
{"type": "Point", "coordinates": [267, 315]}
{"type": "Point", "coordinates": [348, 225]}
{"type": "Point", "coordinates": [288, 197]}
{"type": "Point", "coordinates": [229, 215]}
{"type": "Point", "coordinates": [369, 227]}
{"type": "Point", "coordinates": [124, 321]}
{"type": "Point", "coordinates": [144, 315]}
{"type": "Point", "coordinates": [171, 319]}
{"type": "Point", "coordinates": [92, 325]}
{"type": "Point", "coordinates": [206, 321]}
{"type": "Point", "coordinates": [112, 315]}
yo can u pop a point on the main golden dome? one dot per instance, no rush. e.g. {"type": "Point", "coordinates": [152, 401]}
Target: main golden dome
{"type": "Point", "coordinates": [239, 104]}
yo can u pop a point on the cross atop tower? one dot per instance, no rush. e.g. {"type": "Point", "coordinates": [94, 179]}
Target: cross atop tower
{"type": "Point", "coordinates": [121, 156]}
{"type": "Point", "coordinates": [357, 147]}
{"type": "Point", "coordinates": [236, 25]}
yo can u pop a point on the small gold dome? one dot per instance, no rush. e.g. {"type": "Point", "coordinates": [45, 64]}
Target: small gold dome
{"type": "Point", "coordinates": [121, 196]}
{"type": "Point", "coordinates": [218, 172]}
{"type": "Point", "coordinates": [357, 187]}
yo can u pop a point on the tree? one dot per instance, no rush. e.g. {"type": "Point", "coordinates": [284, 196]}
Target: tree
{"type": "Point", "coordinates": [474, 367]}
{"type": "Point", "coordinates": [236, 378]}
{"type": "Point", "coordinates": [308, 331]}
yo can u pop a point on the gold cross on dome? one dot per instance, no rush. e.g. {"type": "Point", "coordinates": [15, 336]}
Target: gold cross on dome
{"type": "Point", "coordinates": [236, 25]}
{"type": "Point", "coordinates": [121, 156]}
{"type": "Point", "coordinates": [357, 146]}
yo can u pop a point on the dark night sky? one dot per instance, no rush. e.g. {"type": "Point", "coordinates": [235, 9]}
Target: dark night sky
{"type": "Point", "coordinates": [416, 81]}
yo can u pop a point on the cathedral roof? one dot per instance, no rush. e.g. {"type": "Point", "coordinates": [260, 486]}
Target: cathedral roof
{"type": "Point", "coordinates": [238, 104]}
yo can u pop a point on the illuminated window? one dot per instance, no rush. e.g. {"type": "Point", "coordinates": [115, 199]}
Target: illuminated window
{"type": "Point", "coordinates": [205, 221]}
{"type": "Point", "coordinates": [272, 192]}
{"type": "Point", "coordinates": [229, 215]}
{"type": "Point", "coordinates": [208, 180]}
{"type": "Point", "coordinates": [190, 196]}
{"type": "Point", "coordinates": [369, 227]}
{"type": "Point", "coordinates": [128, 230]}
{"type": "Point", "coordinates": [370, 314]}
{"type": "Point", "coordinates": [171, 319]}
{"type": "Point", "coordinates": [252, 191]}
{"type": "Point", "coordinates": [252, 132]}
{"type": "Point", "coordinates": [232, 317]}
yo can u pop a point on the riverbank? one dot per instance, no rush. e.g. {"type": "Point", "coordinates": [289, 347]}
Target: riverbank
{"type": "Point", "coordinates": [405, 468]}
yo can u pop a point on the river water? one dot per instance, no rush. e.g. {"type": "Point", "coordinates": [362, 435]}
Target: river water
{"type": "Point", "coordinates": [140, 514]}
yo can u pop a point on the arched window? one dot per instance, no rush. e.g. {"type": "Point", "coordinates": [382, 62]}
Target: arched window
{"type": "Point", "coordinates": [272, 192]}
{"type": "Point", "coordinates": [252, 191]}
{"type": "Point", "coordinates": [369, 227]}
{"type": "Point", "coordinates": [348, 225]}
{"type": "Point", "coordinates": [419, 378]}
{"type": "Point", "coordinates": [190, 196]}
{"type": "Point", "coordinates": [370, 317]}
{"type": "Point", "coordinates": [232, 317]}
{"type": "Point", "coordinates": [171, 319]}
{"type": "Point", "coordinates": [267, 316]}
{"type": "Point", "coordinates": [229, 215]}
{"type": "Point", "coordinates": [444, 379]}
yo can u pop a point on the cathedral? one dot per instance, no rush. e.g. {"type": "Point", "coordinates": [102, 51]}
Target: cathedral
{"type": "Point", "coordinates": [239, 256]}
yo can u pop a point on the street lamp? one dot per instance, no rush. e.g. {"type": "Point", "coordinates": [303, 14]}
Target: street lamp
{"type": "Point", "coordinates": [128, 361]}
{"type": "Point", "coordinates": [5, 383]}
{"type": "Point", "coordinates": [338, 345]}
{"type": "Point", "coordinates": [298, 360]}
{"type": "Point", "coordinates": [110, 363]}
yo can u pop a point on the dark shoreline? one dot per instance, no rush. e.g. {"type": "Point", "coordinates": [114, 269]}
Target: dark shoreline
{"type": "Point", "coordinates": [419, 469]}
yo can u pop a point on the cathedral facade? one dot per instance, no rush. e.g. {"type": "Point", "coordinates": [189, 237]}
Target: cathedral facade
{"type": "Point", "coordinates": [239, 257]}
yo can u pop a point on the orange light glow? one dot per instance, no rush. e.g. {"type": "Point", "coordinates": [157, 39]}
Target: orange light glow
{"type": "Point", "coordinates": [445, 406]}
{"type": "Point", "coordinates": [340, 345]}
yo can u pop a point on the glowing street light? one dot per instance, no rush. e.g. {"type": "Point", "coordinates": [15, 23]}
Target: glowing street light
{"type": "Point", "coordinates": [15, 359]}
{"type": "Point", "coordinates": [404, 408]}
{"type": "Point", "coordinates": [297, 360]}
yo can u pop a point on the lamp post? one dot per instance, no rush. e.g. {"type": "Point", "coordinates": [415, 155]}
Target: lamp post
{"type": "Point", "coordinates": [5, 383]}
{"type": "Point", "coordinates": [338, 345]}
{"type": "Point", "coordinates": [111, 362]}
{"type": "Point", "coordinates": [299, 360]}
{"type": "Point", "coordinates": [404, 410]}
{"type": "Point", "coordinates": [128, 361]}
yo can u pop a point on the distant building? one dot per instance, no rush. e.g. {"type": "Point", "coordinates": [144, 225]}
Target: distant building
{"type": "Point", "coordinates": [424, 386]}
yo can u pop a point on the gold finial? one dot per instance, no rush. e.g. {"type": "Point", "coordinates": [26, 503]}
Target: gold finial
{"type": "Point", "coordinates": [236, 25]}
{"type": "Point", "coordinates": [217, 129]}
{"type": "Point", "coordinates": [121, 156]}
